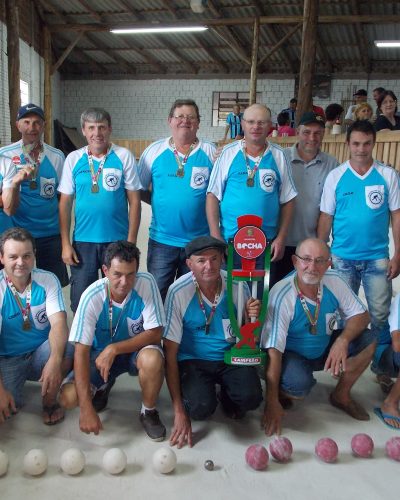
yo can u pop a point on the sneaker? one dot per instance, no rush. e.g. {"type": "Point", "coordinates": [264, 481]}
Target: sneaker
{"type": "Point", "coordinates": [100, 399]}
{"type": "Point", "coordinates": [153, 426]}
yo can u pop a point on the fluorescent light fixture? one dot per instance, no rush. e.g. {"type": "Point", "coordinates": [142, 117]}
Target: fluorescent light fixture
{"type": "Point", "coordinates": [387, 43]}
{"type": "Point", "coordinates": [165, 29]}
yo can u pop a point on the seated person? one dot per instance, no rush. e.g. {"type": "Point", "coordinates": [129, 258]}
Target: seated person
{"type": "Point", "coordinates": [196, 337]}
{"type": "Point", "coordinates": [284, 128]}
{"type": "Point", "coordinates": [333, 113]}
{"type": "Point", "coordinates": [300, 337]}
{"type": "Point", "coordinates": [386, 365]}
{"type": "Point", "coordinates": [117, 329]}
{"type": "Point", "coordinates": [363, 111]}
{"type": "Point", "coordinates": [34, 333]}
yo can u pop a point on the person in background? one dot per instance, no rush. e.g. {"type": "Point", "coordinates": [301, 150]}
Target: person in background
{"type": "Point", "coordinates": [387, 120]}
{"type": "Point", "coordinates": [363, 111]}
{"type": "Point", "coordinates": [376, 94]}
{"type": "Point", "coordinates": [284, 128]}
{"type": "Point", "coordinates": [359, 97]}
{"type": "Point", "coordinates": [234, 124]}
{"type": "Point", "coordinates": [292, 112]}
{"type": "Point", "coordinates": [333, 113]}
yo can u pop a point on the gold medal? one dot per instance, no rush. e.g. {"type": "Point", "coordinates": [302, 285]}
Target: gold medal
{"type": "Point", "coordinates": [95, 188]}
{"type": "Point", "coordinates": [26, 325]}
{"type": "Point", "coordinates": [180, 172]}
{"type": "Point", "coordinates": [250, 182]}
{"type": "Point", "coordinates": [313, 329]}
{"type": "Point", "coordinates": [33, 185]}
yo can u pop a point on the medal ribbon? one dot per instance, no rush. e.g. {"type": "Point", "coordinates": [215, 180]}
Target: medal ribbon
{"type": "Point", "coordinates": [113, 331]}
{"type": "Point", "coordinates": [35, 164]}
{"type": "Point", "coordinates": [95, 175]}
{"type": "Point", "coordinates": [24, 310]}
{"type": "Point", "coordinates": [202, 306]}
{"type": "Point", "coordinates": [252, 171]}
{"type": "Point", "coordinates": [313, 320]}
{"type": "Point", "coordinates": [181, 163]}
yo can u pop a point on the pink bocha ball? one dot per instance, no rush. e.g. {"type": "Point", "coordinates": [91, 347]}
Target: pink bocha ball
{"type": "Point", "coordinates": [327, 450]}
{"type": "Point", "coordinates": [393, 448]}
{"type": "Point", "coordinates": [362, 445]}
{"type": "Point", "coordinates": [257, 456]}
{"type": "Point", "coordinates": [281, 449]}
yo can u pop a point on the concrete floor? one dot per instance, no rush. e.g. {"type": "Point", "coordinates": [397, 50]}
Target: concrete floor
{"type": "Point", "coordinates": [218, 439]}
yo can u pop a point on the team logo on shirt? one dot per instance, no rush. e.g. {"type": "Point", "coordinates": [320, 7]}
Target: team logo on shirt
{"type": "Point", "coordinates": [49, 190]}
{"type": "Point", "coordinates": [374, 196]}
{"type": "Point", "coordinates": [267, 179]}
{"type": "Point", "coordinates": [16, 160]}
{"type": "Point", "coordinates": [135, 326]}
{"type": "Point", "coordinates": [111, 180]}
{"type": "Point", "coordinates": [41, 316]}
{"type": "Point", "coordinates": [199, 177]}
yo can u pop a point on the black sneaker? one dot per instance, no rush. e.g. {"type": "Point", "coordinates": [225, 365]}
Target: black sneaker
{"type": "Point", "coordinates": [100, 399]}
{"type": "Point", "coordinates": [153, 426]}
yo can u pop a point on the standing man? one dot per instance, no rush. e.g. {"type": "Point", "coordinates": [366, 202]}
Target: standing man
{"type": "Point", "coordinates": [117, 329]}
{"type": "Point", "coordinates": [310, 167]}
{"type": "Point", "coordinates": [9, 198]}
{"type": "Point", "coordinates": [102, 180]}
{"type": "Point", "coordinates": [291, 110]}
{"type": "Point", "coordinates": [197, 334]}
{"type": "Point", "coordinates": [300, 337]}
{"type": "Point", "coordinates": [39, 168]}
{"type": "Point", "coordinates": [252, 176]}
{"type": "Point", "coordinates": [359, 200]}
{"type": "Point", "coordinates": [359, 97]}
{"type": "Point", "coordinates": [234, 124]}
{"type": "Point", "coordinates": [33, 328]}
{"type": "Point", "coordinates": [376, 94]}
{"type": "Point", "coordinates": [176, 171]}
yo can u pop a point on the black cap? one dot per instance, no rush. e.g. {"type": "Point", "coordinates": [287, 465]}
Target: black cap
{"type": "Point", "coordinates": [361, 92]}
{"type": "Point", "coordinates": [204, 243]}
{"type": "Point", "coordinates": [311, 117]}
{"type": "Point", "coordinates": [30, 109]}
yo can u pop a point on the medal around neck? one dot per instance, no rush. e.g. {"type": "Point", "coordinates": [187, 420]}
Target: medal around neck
{"type": "Point", "coordinates": [249, 243]}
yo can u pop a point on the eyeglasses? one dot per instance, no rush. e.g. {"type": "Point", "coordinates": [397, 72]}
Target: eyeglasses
{"type": "Point", "coordinates": [319, 261]}
{"type": "Point", "coordinates": [189, 118]}
{"type": "Point", "coordinates": [259, 123]}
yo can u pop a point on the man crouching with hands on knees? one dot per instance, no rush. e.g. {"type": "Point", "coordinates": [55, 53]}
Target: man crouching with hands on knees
{"type": "Point", "coordinates": [117, 329]}
{"type": "Point", "coordinates": [300, 337]}
{"type": "Point", "coordinates": [197, 334]}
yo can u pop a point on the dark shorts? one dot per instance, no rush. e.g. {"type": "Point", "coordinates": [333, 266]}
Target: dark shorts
{"type": "Point", "coordinates": [48, 257]}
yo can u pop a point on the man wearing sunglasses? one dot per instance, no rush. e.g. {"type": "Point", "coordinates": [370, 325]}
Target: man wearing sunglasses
{"type": "Point", "coordinates": [301, 338]}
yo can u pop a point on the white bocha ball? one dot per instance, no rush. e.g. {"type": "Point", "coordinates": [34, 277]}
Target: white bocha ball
{"type": "Point", "coordinates": [164, 460]}
{"type": "Point", "coordinates": [35, 462]}
{"type": "Point", "coordinates": [114, 460]}
{"type": "Point", "coordinates": [3, 462]}
{"type": "Point", "coordinates": [72, 461]}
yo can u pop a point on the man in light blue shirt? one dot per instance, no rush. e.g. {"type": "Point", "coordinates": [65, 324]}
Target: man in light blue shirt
{"type": "Point", "coordinates": [234, 124]}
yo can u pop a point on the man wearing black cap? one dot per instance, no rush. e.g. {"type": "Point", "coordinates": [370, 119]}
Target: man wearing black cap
{"type": "Point", "coordinates": [39, 169]}
{"type": "Point", "coordinates": [310, 166]}
{"type": "Point", "coordinates": [359, 97]}
{"type": "Point", "coordinates": [196, 336]}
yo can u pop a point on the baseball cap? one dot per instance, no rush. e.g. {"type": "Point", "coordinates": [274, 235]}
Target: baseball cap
{"type": "Point", "coordinates": [29, 109]}
{"type": "Point", "coordinates": [204, 243]}
{"type": "Point", "coordinates": [310, 117]}
{"type": "Point", "coordinates": [360, 92]}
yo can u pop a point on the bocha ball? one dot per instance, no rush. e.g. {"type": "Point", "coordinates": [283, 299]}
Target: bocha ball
{"type": "Point", "coordinates": [164, 460]}
{"type": "Point", "coordinates": [257, 457]}
{"type": "Point", "coordinates": [362, 445]}
{"type": "Point", "coordinates": [72, 461]}
{"type": "Point", "coordinates": [35, 462]}
{"type": "Point", "coordinates": [281, 449]}
{"type": "Point", "coordinates": [327, 450]}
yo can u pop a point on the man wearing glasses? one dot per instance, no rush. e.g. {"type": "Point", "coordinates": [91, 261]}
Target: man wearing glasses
{"type": "Point", "coordinates": [252, 176]}
{"type": "Point", "coordinates": [300, 336]}
{"type": "Point", "coordinates": [174, 173]}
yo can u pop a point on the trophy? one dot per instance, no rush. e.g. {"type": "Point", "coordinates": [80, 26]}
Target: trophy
{"type": "Point", "coordinates": [249, 243]}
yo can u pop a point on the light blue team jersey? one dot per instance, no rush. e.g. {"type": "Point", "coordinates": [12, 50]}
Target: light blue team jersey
{"type": "Point", "coordinates": [361, 206]}
{"type": "Point", "coordinates": [141, 310]}
{"type": "Point", "coordinates": [235, 125]}
{"type": "Point", "coordinates": [38, 208]}
{"type": "Point", "coordinates": [287, 326]}
{"type": "Point", "coordinates": [46, 300]}
{"type": "Point", "coordinates": [178, 203]}
{"type": "Point", "coordinates": [100, 217]}
{"type": "Point", "coordinates": [7, 172]}
{"type": "Point", "coordinates": [273, 186]}
{"type": "Point", "coordinates": [186, 321]}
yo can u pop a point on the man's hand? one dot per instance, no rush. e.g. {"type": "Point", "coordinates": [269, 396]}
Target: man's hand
{"type": "Point", "coordinates": [272, 418]}
{"type": "Point", "coordinates": [104, 361]}
{"type": "Point", "coordinates": [182, 431]}
{"type": "Point", "coordinates": [393, 267]}
{"type": "Point", "coordinates": [336, 361]}
{"type": "Point", "coordinates": [7, 405]}
{"type": "Point", "coordinates": [277, 249]}
{"type": "Point", "coordinates": [89, 421]}
{"type": "Point", "coordinates": [253, 307]}
{"type": "Point", "coordinates": [22, 175]}
{"type": "Point", "coordinates": [69, 255]}
{"type": "Point", "coordinates": [51, 377]}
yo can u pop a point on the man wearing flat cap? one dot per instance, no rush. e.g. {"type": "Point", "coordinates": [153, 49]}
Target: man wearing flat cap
{"type": "Point", "coordinates": [38, 171]}
{"type": "Point", "coordinates": [196, 336]}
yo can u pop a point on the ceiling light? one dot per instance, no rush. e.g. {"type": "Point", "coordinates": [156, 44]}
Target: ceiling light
{"type": "Point", "coordinates": [387, 43]}
{"type": "Point", "coordinates": [165, 29]}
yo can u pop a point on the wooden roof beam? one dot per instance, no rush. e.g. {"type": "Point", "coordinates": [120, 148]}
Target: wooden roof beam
{"type": "Point", "coordinates": [66, 53]}
{"type": "Point", "coordinates": [117, 58]}
{"type": "Point", "coordinates": [280, 43]}
{"type": "Point", "coordinates": [361, 38]}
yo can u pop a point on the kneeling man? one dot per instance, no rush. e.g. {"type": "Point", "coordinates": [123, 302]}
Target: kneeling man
{"type": "Point", "coordinates": [33, 328]}
{"type": "Point", "coordinates": [117, 329]}
{"type": "Point", "coordinates": [195, 340]}
{"type": "Point", "coordinates": [300, 337]}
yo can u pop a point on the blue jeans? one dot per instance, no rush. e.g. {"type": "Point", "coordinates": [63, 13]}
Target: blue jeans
{"type": "Point", "coordinates": [388, 364]}
{"type": "Point", "coordinates": [90, 257]}
{"type": "Point", "coordinates": [165, 263]}
{"type": "Point", "coordinates": [297, 378]}
{"type": "Point", "coordinates": [16, 370]}
{"type": "Point", "coordinates": [377, 288]}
